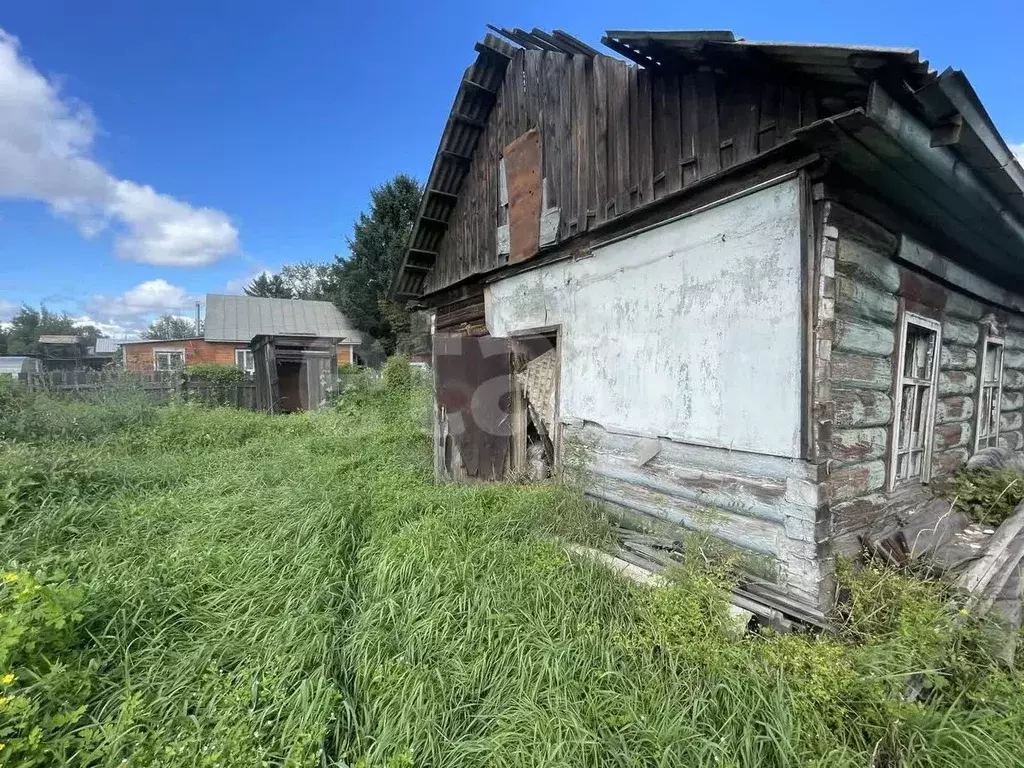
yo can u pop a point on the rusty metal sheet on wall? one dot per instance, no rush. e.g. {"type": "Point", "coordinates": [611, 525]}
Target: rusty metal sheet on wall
{"type": "Point", "coordinates": [525, 195]}
{"type": "Point", "coordinates": [473, 375]}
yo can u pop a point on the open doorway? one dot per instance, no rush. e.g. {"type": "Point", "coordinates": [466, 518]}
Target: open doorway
{"type": "Point", "coordinates": [533, 405]}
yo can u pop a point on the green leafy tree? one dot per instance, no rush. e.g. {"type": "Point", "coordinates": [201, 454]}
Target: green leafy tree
{"type": "Point", "coordinates": [170, 327]}
{"type": "Point", "coordinates": [361, 281]}
{"type": "Point", "coordinates": [28, 324]}
{"type": "Point", "coordinates": [268, 286]}
{"type": "Point", "coordinates": [306, 280]}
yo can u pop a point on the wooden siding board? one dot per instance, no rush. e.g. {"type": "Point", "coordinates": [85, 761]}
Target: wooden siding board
{"type": "Point", "coordinates": [708, 151]}
{"type": "Point", "coordinates": [643, 132]}
{"type": "Point", "coordinates": [621, 115]}
{"type": "Point", "coordinates": [673, 115]}
{"type": "Point", "coordinates": [599, 161]}
{"type": "Point", "coordinates": [689, 128]}
{"type": "Point", "coordinates": [567, 185]}
{"type": "Point", "coordinates": [582, 128]}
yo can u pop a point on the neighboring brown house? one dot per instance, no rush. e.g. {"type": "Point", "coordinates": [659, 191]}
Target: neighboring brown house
{"type": "Point", "coordinates": [231, 324]}
{"type": "Point", "coordinates": [772, 291]}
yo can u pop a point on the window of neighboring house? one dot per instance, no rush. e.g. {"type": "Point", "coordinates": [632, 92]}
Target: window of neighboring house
{"type": "Point", "coordinates": [169, 360]}
{"type": "Point", "coordinates": [244, 360]}
{"type": "Point", "coordinates": [920, 340]}
{"type": "Point", "coordinates": [990, 392]}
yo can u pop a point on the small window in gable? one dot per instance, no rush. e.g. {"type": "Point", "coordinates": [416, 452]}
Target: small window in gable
{"type": "Point", "coordinates": [920, 339]}
{"type": "Point", "coordinates": [990, 393]}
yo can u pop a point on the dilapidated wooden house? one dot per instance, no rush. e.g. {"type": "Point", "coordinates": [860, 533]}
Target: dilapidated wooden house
{"type": "Point", "coordinates": [771, 291]}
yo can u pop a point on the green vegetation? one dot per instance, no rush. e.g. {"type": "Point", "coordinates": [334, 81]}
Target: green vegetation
{"type": "Point", "coordinates": [216, 373]}
{"type": "Point", "coordinates": [211, 587]}
{"type": "Point", "coordinates": [987, 495]}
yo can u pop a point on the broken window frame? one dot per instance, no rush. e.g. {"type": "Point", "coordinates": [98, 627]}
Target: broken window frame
{"type": "Point", "coordinates": [986, 430]}
{"type": "Point", "coordinates": [922, 390]}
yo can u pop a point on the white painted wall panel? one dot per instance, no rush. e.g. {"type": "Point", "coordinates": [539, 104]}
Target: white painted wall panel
{"type": "Point", "coordinates": [690, 331]}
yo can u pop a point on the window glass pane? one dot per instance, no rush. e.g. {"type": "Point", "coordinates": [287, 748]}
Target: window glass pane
{"type": "Point", "coordinates": [992, 353]}
{"type": "Point", "coordinates": [919, 352]}
{"type": "Point", "coordinates": [920, 416]}
{"type": "Point", "coordinates": [915, 463]}
{"type": "Point", "coordinates": [906, 415]}
{"type": "Point", "coordinates": [902, 464]}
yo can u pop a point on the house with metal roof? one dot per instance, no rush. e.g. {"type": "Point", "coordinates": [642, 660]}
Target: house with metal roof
{"type": "Point", "coordinates": [770, 291]}
{"type": "Point", "coordinates": [233, 322]}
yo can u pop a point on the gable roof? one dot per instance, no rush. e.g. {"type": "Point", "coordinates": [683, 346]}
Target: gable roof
{"type": "Point", "coordinates": [943, 105]}
{"type": "Point", "coordinates": [240, 318]}
{"type": "Point", "coordinates": [58, 339]}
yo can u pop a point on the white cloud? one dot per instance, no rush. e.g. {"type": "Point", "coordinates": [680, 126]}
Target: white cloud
{"type": "Point", "coordinates": [7, 309]}
{"type": "Point", "coordinates": [45, 154]}
{"type": "Point", "coordinates": [237, 286]}
{"type": "Point", "coordinates": [1018, 150]}
{"type": "Point", "coordinates": [130, 313]}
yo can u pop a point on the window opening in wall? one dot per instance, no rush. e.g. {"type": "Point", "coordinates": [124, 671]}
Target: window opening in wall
{"type": "Point", "coordinates": [990, 391]}
{"type": "Point", "coordinates": [915, 400]}
{"type": "Point", "coordinates": [244, 360]}
{"type": "Point", "coordinates": [172, 360]}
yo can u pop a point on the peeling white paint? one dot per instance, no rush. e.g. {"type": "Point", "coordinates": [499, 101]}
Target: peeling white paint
{"type": "Point", "coordinates": [691, 330]}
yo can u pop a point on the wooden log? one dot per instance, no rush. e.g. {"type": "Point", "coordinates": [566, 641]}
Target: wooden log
{"type": "Point", "coordinates": [957, 358]}
{"type": "Point", "coordinates": [949, 409]}
{"type": "Point", "coordinates": [1010, 421]}
{"type": "Point", "coordinates": [1011, 401]}
{"type": "Point", "coordinates": [963, 307]}
{"type": "Point", "coordinates": [1013, 440]}
{"type": "Point", "coordinates": [1013, 359]}
{"type": "Point", "coordinates": [855, 228]}
{"type": "Point", "coordinates": [959, 332]}
{"type": "Point", "coordinates": [1013, 339]}
{"type": "Point", "coordinates": [1012, 379]}
{"type": "Point", "coordinates": [945, 463]}
{"type": "Point", "coordinates": [956, 383]}
{"type": "Point", "coordinates": [857, 299]}
{"type": "Point", "coordinates": [861, 371]}
{"type": "Point", "coordinates": [856, 445]}
{"type": "Point", "coordinates": [852, 480]}
{"type": "Point", "coordinates": [864, 338]}
{"type": "Point", "coordinates": [856, 260]}
{"type": "Point", "coordinates": [861, 408]}
{"type": "Point", "coordinates": [952, 435]}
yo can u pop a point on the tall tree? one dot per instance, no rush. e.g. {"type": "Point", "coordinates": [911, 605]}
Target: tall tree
{"type": "Point", "coordinates": [362, 280]}
{"type": "Point", "coordinates": [268, 286]}
{"type": "Point", "coordinates": [170, 327]}
{"type": "Point", "coordinates": [306, 280]}
{"type": "Point", "coordinates": [30, 323]}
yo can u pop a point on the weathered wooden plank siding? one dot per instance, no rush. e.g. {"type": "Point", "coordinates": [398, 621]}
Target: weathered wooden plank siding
{"type": "Point", "coordinates": [767, 506]}
{"type": "Point", "coordinates": [614, 138]}
{"type": "Point", "coordinates": [860, 288]}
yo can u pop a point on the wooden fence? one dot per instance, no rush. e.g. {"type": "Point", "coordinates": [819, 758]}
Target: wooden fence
{"type": "Point", "coordinates": [158, 388]}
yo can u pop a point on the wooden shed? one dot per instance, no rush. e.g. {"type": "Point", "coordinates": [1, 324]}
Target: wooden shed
{"type": "Point", "coordinates": [294, 373]}
{"type": "Point", "coordinates": [771, 291]}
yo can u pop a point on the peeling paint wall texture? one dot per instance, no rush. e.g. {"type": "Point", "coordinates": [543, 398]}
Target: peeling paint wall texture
{"type": "Point", "coordinates": [690, 331]}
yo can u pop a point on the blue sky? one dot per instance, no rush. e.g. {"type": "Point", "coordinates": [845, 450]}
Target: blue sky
{"type": "Point", "coordinates": [177, 148]}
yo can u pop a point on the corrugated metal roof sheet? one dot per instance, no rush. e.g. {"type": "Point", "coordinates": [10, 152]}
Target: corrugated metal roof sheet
{"type": "Point", "coordinates": [240, 318]}
{"type": "Point", "coordinates": [57, 339]}
{"type": "Point", "coordinates": [842, 64]}
{"type": "Point", "coordinates": [105, 347]}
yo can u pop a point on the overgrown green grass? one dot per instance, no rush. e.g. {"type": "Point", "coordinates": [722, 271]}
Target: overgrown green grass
{"type": "Point", "coordinates": [206, 587]}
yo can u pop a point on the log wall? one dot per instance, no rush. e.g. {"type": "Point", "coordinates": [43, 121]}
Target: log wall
{"type": "Point", "coordinates": [860, 290]}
